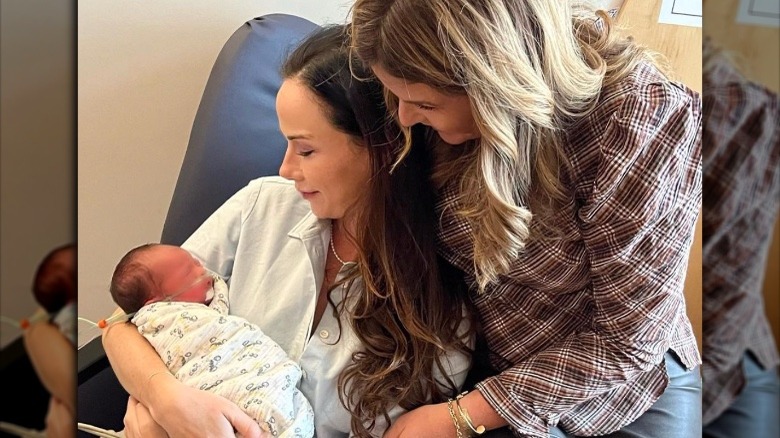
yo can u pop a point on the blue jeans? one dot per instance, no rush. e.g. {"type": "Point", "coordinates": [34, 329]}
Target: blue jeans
{"type": "Point", "coordinates": [676, 414]}
{"type": "Point", "coordinates": [756, 411]}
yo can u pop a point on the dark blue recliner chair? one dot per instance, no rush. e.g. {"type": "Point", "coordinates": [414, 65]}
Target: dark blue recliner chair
{"type": "Point", "coordinates": [235, 138]}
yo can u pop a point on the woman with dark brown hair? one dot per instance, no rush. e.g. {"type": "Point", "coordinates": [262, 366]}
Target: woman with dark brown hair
{"type": "Point", "coordinates": [335, 260]}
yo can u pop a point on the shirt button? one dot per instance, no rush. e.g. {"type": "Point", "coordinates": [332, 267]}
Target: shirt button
{"type": "Point", "coordinates": [324, 334]}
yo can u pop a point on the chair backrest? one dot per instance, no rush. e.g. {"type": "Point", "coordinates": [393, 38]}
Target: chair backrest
{"type": "Point", "coordinates": [235, 136]}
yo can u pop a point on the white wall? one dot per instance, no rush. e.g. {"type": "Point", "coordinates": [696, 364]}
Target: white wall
{"type": "Point", "coordinates": [142, 67]}
{"type": "Point", "coordinates": [37, 146]}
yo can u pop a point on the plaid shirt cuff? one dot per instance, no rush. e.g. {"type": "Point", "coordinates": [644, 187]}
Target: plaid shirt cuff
{"type": "Point", "coordinates": [521, 419]}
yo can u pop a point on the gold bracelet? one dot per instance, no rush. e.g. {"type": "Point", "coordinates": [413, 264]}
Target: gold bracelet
{"type": "Point", "coordinates": [464, 414]}
{"type": "Point", "coordinates": [454, 419]}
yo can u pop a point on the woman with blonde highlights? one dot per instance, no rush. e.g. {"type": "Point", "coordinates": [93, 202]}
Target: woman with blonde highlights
{"type": "Point", "coordinates": [568, 176]}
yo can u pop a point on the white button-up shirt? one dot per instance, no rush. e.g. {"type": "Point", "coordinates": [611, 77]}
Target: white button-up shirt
{"type": "Point", "coordinates": [269, 246]}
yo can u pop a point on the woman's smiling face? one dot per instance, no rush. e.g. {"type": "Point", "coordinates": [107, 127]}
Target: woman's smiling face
{"type": "Point", "coordinates": [449, 115]}
{"type": "Point", "coordinates": [329, 169]}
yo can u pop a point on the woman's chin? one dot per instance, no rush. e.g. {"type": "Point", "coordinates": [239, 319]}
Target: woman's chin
{"type": "Point", "coordinates": [456, 138]}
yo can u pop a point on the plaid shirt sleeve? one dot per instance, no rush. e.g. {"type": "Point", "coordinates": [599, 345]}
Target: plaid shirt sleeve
{"type": "Point", "coordinates": [638, 202]}
{"type": "Point", "coordinates": [741, 143]}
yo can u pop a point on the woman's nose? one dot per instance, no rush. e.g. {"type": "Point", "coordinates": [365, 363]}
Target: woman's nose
{"type": "Point", "coordinates": [290, 168]}
{"type": "Point", "coordinates": [408, 114]}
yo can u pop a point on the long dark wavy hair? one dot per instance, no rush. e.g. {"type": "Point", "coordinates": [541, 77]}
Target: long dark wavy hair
{"type": "Point", "coordinates": [411, 305]}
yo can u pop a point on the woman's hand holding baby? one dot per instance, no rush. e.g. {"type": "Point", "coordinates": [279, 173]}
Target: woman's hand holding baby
{"type": "Point", "coordinates": [138, 422]}
{"type": "Point", "coordinates": [181, 411]}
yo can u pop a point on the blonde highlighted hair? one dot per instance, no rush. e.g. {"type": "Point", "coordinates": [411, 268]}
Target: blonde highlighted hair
{"type": "Point", "coordinates": [530, 69]}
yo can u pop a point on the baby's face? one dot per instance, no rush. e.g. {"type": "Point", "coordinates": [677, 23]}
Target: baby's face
{"type": "Point", "coordinates": [179, 276]}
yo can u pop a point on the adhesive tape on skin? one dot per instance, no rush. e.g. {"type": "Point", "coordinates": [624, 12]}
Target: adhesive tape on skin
{"type": "Point", "coordinates": [210, 294]}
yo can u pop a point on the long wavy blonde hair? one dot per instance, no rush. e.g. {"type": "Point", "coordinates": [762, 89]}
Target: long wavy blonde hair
{"type": "Point", "coordinates": [530, 69]}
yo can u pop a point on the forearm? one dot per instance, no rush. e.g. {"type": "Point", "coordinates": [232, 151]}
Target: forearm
{"type": "Point", "coordinates": [133, 359]}
{"type": "Point", "coordinates": [54, 359]}
{"type": "Point", "coordinates": [60, 421]}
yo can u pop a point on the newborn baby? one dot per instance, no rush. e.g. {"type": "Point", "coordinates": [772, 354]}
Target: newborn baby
{"type": "Point", "coordinates": [182, 310]}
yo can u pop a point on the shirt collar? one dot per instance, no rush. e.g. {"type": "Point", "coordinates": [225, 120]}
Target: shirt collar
{"type": "Point", "coordinates": [308, 227]}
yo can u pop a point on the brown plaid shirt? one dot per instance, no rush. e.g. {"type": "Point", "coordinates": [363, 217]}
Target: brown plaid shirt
{"type": "Point", "coordinates": [741, 142]}
{"type": "Point", "coordinates": [580, 325]}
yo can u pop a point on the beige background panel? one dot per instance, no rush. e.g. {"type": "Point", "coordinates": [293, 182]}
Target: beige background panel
{"type": "Point", "coordinates": [680, 44]}
{"type": "Point", "coordinates": [772, 284]}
